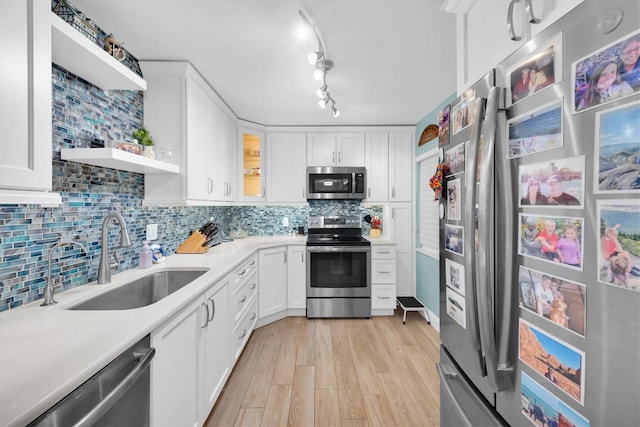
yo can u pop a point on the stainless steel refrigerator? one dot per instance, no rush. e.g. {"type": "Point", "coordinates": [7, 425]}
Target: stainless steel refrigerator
{"type": "Point", "coordinates": [540, 231]}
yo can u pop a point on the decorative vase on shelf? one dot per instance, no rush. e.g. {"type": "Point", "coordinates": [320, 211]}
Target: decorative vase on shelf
{"type": "Point", "coordinates": [147, 151]}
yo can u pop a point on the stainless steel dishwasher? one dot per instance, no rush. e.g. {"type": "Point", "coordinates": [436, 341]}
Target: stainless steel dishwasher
{"type": "Point", "coordinates": [118, 395]}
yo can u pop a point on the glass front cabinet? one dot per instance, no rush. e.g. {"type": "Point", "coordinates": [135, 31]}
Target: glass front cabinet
{"type": "Point", "coordinates": [252, 156]}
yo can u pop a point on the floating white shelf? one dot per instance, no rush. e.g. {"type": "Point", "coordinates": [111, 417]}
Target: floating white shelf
{"type": "Point", "coordinates": [117, 159]}
{"type": "Point", "coordinates": [81, 56]}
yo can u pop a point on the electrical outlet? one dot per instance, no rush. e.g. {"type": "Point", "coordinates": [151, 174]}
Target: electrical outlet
{"type": "Point", "coordinates": [285, 222]}
{"type": "Point", "coordinates": [152, 232]}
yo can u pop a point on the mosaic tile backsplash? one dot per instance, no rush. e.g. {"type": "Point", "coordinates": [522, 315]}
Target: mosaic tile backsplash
{"type": "Point", "coordinates": [89, 193]}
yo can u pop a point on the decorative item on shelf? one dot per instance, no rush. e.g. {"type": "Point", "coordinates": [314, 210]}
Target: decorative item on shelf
{"type": "Point", "coordinates": [114, 48]}
{"type": "Point", "coordinates": [144, 138]}
{"type": "Point", "coordinates": [72, 16]}
{"type": "Point", "coordinates": [429, 133]}
{"type": "Point", "coordinates": [128, 147]}
{"type": "Point", "coordinates": [376, 226]}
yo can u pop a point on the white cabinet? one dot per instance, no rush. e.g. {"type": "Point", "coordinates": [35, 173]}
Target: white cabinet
{"type": "Point", "coordinates": [183, 112]}
{"type": "Point", "coordinates": [377, 165]}
{"type": "Point", "coordinates": [483, 39]}
{"type": "Point", "coordinates": [297, 277]}
{"type": "Point", "coordinates": [286, 169]}
{"type": "Point", "coordinates": [192, 360]}
{"type": "Point", "coordinates": [402, 233]}
{"type": "Point", "coordinates": [383, 279]}
{"type": "Point", "coordinates": [401, 166]}
{"type": "Point", "coordinates": [272, 276]}
{"type": "Point", "coordinates": [251, 165]}
{"type": "Point", "coordinates": [335, 149]}
{"type": "Point", "coordinates": [25, 103]}
{"type": "Point", "coordinates": [214, 363]}
{"type": "Point", "coordinates": [243, 303]}
{"type": "Point", "coordinates": [230, 170]}
{"type": "Point", "coordinates": [174, 369]}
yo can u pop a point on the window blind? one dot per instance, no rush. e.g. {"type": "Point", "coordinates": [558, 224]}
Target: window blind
{"type": "Point", "coordinates": [428, 233]}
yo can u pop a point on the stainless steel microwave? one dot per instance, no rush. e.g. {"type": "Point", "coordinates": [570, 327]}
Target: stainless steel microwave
{"type": "Point", "coordinates": [336, 183]}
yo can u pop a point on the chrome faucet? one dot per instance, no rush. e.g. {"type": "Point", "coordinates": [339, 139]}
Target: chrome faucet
{"type": "Point", "coordinates": [104, 269]}
{"type": "Point", "coordinates": [49, 288]}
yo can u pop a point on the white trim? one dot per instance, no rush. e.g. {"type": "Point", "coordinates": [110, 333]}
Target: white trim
{"type": "Point", "coordinates": [429, 252]}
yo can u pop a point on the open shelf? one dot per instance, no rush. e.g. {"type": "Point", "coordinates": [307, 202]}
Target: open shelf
{"type": "Point", "coordinates": [117, 159]}
{"type": "Point", "coordinates": [81, 56]}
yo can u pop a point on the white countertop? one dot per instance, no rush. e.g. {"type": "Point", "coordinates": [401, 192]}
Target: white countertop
{"type": "Point", "coordinates": [47, 352]}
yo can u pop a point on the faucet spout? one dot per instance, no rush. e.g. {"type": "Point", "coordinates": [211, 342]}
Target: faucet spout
{"type": "Point", "coordinates": [49, 288]}
{"type": "Point", "coordinates": [104, 268]}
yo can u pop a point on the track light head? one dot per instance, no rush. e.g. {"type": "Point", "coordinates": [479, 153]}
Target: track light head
{"type": "Point", "coordinates": [322, 92]}
{"type": "Point", "coordinates": [334, 111]}
{"type": "Point", "coordinates": [314, 57]}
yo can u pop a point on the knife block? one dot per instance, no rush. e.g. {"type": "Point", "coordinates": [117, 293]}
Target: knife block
{"type": "Point", "coordinates": [193, 244]}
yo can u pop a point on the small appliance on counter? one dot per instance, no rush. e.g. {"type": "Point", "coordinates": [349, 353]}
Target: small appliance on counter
{"type": "Point", "coordinates": [202, 239]}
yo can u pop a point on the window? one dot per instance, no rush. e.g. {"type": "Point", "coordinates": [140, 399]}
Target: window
{"type": "Point", "coordinates": [429, 225]}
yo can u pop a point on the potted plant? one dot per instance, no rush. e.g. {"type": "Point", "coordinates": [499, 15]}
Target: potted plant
{"type": "Point", "coordinates": [144, 138]}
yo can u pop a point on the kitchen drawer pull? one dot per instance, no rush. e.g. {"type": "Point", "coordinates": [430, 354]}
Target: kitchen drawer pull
{"type": "Point", "coordinates": [253, 286]}
{"type": "Point", "coordinates": [384, 272]}
{"type": "Point", "coordinates": [384, 297]}
{"type": "Point", "coordinates": [243, 299]}
{"type": "Point", "coordinates": [244, 333]}
{"type": "Point", "coordinates": [252, 263]}
{"type": "Point", "coordinates": [242, 273]}
{"type": "Point", "coordinates": [253, 316]}
{"type": "Point", "coordinates": [384, 251]}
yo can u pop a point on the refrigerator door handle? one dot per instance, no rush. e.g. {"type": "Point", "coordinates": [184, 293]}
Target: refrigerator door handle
{"type": "Point", "coordinates": [470, 225]}
{"type": "Point", "coordinates": [512, 32]}
{"type": "Point", "coordinates": [485, 262]}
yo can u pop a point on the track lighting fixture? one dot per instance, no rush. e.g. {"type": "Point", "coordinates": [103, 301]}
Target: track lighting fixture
{"type": "Point", "coordinates": [322, 66]}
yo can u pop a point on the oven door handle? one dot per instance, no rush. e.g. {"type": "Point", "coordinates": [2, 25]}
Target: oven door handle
{"type": "Point", "coordinates": [320, 249]}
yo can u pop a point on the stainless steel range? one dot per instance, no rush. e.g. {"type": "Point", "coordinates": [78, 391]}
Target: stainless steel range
{"type": "Point", "coordinates": [338, 268]}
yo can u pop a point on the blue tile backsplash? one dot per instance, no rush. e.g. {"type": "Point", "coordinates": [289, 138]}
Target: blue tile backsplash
{"type": "Point", "coordinates": [89, 193]}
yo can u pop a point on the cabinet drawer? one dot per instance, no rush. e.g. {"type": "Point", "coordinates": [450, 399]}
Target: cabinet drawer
{"type": "Point", "coordinates": [241, 296]}
{"type": "Point", "coordinates": [383, 296]}
{"type": "Point", "coordinates": [383, 271]}
{"type": "Point", "coordinates": [242, 331]}
{"type": "Point", "coordinates": [383, 252]}
{"type": "Point", "coordinates": [245, 271]}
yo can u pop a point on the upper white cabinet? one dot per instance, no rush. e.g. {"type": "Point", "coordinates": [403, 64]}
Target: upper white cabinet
{"type": "Point", "coordinates": [400, 166]}
{"type": "Point", "coordinates": [183, 112]}
{"type": "Point", "coordinates": [490, 30]}
{"type": "Point", "coordinates": [377, 165]}
{"type": "Point", "coordinates": [25, 103]}
{"type": "Point", "coordinates": [335, 149]}
{"type": "Point", "coordinates": [286, 172]}
{"type": "Point", "coordinates": [252, 160]}
{"type": "Point", "coordinates": [389, 163]}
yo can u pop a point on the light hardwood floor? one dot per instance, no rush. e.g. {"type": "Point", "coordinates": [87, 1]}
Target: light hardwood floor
{"type": "Point", "coordinates": [335, 372]}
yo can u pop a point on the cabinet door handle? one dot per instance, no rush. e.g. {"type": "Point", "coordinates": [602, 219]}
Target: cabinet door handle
{"type": "Point", "coordinates": [285, 256]}
{"type": "Point", "coordinates": [512, 32]}
{"type": "Point", "coordinates": [393, 192]}
{"type": "Point", "coordinates": [264, 192]}
{"type": "Point", "coordinates": [303, 192]}
{"type": "Point", "coordinates": [302, 257]}
{"type": "Point", "coordinates": [205, 319]}
{"type": "Point", "coordinates": [213, 308]}
{"type": "Point", "coordinates": [243, 299]}
{"type": "Point", "coordinates": [244, 333]}
{"type": "Point", "coordinates": [339, 156]}
{"type": "Point", "coordinates": [528, 8]}
{"type": "Point", "coordinates": [333, 157]}
{"type": "Point", "coordinates": [393, 213]}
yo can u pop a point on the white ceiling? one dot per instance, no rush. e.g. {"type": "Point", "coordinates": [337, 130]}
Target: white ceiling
{"type": "Point", "coordinates": [394, 59]}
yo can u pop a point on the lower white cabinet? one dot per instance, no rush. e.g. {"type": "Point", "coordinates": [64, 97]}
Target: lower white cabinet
{"type": "Point", "coordinates": [297, 277]}
{"type": "Point", "coordinates": [272, 276]}
{"type": "Point", "coordinates": [174, 369]}
{"type": "Point", "coordinates": [243, 328]}
{"type": "Point", "coordinates": [192, 360]}
{"type": "Point", "coordinates": [214, 364]}
{"type": "Point", "coordinates": [383, 279]}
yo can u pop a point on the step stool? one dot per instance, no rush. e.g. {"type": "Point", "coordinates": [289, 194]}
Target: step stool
{"type": "Point", "coordinates": [411, 304]}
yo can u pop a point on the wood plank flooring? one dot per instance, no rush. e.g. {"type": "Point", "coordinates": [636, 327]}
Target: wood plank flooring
{"type": "Point", "coordinates": [335, 372]}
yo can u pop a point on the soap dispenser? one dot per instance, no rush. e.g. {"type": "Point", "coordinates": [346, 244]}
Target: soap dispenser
{"type": "Point", "coordinates": [145, 255]}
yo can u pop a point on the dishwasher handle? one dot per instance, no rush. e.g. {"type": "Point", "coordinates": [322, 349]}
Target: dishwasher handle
{"type": "Point", "coordinates": [112, 398]}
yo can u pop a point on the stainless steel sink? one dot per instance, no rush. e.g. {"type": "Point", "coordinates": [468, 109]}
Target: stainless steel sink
{"type": "Point", "coordinates": [143, 291]}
